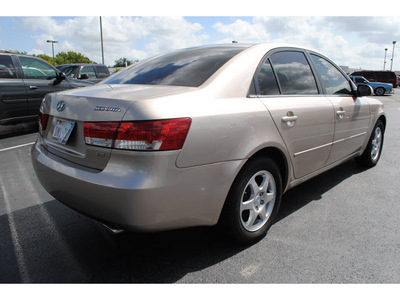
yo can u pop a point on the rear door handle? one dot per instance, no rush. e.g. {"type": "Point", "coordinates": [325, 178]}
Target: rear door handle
{"type": "Point", "coordinates": [341, 113]}
{"type": "Point", "coordinates": [289, 119]}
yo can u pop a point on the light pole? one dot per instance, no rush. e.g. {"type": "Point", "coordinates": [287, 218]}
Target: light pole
{"type": "Point", "coordinates": [391, 64]}
{"type": "Point", "coordinates": [384, 60]}
{"type": "Point", "coordinates": [101, 36]}
{"type": "Point", "coordinates": [52, 46]}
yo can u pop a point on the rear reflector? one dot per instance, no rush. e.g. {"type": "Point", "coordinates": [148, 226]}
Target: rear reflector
{"type": "Point", "coordinates": [141, 135]}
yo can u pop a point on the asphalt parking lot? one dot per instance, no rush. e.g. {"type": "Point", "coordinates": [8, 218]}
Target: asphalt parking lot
{"type": "Point", "coordinates": [340, 227]}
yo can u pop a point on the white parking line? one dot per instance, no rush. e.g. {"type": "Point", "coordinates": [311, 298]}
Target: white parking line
{"type": "Point", "coordinates": [15, 237]}
{"type": "Point", "coordinates": [15, 147]}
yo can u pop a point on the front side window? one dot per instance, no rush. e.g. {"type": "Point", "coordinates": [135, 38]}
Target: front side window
{"type": "Point", "coordinates": [7, 69]}
{"type": "Point", "coordinates": [36, 69]}
{"type": "Point", "coordinates": [334, 81]}
{"type": "Point", "coordinates": [89, 71]}
{"type": "Point", "coordinates": [294, 73]}
{"type": "Point", "coordinates": [189, 67]}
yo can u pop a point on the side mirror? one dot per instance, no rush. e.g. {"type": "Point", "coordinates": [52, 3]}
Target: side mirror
{"type": "Point", "coordinates": [364, 90]}
{"type": "Point", "coordinates": [61, 76]}
{"type": "Point", "coordinates": [83, 76]}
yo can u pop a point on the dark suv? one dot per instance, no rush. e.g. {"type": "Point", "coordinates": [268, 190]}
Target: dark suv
{"type": "Point", "coordinates": [24, 81]}
{"type": "Point", "coordinates": [378, 76]}
{"type": "Point", "coordinates": [89, 72]}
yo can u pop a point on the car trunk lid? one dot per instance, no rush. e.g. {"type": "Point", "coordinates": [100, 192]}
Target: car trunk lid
{"type": "Point", "coordinates": [68, 111]}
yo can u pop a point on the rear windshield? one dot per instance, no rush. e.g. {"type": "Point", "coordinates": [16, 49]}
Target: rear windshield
{"type": "Point", "coordinates": [189, 67]}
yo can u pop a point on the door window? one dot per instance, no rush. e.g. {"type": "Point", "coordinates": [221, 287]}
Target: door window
{"type": "Point", "coordinates": [334, 81]}
{"type": "Point", "coordinates": [89, 71]}
{"type": "Point", "coordinates": [36, 69]}
{"type": "Point", "coordinates": [7, 69]}
{"type": "Point", "coordinates": [294, 73]}
{"type": "Point", "coordinates": [102, 71]}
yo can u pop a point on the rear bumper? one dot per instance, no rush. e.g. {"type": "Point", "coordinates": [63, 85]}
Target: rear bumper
{"type": "Point", "coordinates": [139, 191]}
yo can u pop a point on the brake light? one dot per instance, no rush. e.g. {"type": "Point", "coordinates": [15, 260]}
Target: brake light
{"type": "Point", "coordinates": [142, 135]}
{"type": "Point", "coordinates": [100, 134]}
{"type": "Point", "coordinates": [43, 118]}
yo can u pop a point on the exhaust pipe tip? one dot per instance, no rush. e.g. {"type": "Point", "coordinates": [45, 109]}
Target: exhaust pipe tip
{"type": "Point", "coordinates": [113, 229]}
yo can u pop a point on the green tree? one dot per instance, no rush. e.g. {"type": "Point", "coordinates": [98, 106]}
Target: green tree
{"type": "Point", "coordinates": [71, 57]}
{"type": "Point", "coordinates": [123, 62]}
{"type": "Point", "coordinates": [45, 57]}
{"type": "Point", "coordinates": [16, 51]}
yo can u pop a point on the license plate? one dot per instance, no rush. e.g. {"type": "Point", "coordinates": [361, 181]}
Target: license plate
{"type": "Point", "coordinates": [62, 131]}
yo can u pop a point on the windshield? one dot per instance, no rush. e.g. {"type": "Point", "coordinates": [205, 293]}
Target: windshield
{"type": "Point", "coordinates": [189, 67]}
{"type": "Point", "coordinates": [69, 71]}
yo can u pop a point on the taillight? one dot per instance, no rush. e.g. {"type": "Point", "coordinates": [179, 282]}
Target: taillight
{"type": "Point", "coordinates": [142, 135]}
{"type": "Point", "coordinates": [43, 118]}
{"type": "Point", "coordinates": [100, 134]}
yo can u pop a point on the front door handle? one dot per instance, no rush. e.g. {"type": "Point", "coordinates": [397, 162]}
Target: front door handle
{"type": "Point", "coordinates": [33, 87]}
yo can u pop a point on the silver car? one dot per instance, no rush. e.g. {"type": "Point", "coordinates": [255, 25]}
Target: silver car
{"type": "Point", "coordinates": [205, 135]}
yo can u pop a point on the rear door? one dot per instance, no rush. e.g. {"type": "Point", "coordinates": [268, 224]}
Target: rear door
{"type": "Point", "coordinates": [40, 79]}
{"type": "Point", "coordinates": [13, 99]}
{"type": "Point", "coordinates": [352, 114]}
{"type": "Point", "coordinates": [303, 117]}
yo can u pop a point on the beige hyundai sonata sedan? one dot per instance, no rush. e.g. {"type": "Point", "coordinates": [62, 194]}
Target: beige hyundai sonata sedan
{"type": "Point", "coordinates": [204, 135]}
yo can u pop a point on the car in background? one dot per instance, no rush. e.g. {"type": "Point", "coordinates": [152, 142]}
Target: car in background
{"type": "Point", "coordinates": [205, 135]}
{"type": "Point", "coordinates": [378, 76]}
{"type": "Point", "coordinates": [24, 81]}
{"type": "Point", "coordinates": [88, 72]}
{"type": "Point", "coordinates": [379, 88]}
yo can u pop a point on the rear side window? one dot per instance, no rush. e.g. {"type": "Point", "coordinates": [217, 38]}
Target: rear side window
{"type": "Point", "coordinates": [189, 67]}
{"type": "Point", "coordinates": [294, 73]}
{"type": "Point", "coordinates": [7, 69]}
{"type": "Point", "coordinates": [387, 75]}
{"type": "Point", "coordinates": [334, 81]}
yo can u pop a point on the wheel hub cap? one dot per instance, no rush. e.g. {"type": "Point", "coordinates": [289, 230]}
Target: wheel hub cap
{"type": "Point", "coordinates": [257, 200]}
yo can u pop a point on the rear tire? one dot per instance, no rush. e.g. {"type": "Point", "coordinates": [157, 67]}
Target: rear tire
{"type": "Point", "coordinates": [372, 153]}
{"type": "Point", "coordinates": [253, 201]}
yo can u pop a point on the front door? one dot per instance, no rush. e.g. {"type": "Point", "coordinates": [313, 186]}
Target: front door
{"type": "Point", "coordinates": [39, 79]}
{"type": "Point", "coordinates": [352, 114]}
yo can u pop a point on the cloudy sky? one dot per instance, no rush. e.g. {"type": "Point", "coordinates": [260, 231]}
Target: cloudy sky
{"type": "Point", "coordinates": [355, 41]}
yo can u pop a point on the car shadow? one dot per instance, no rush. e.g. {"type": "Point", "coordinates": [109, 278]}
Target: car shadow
{"type": "Point", "coordinates": [313, 189]}
{"type": "Point", "coordinates": [50, 243]}
{"type": "Point", "coordinates": [17, 129]}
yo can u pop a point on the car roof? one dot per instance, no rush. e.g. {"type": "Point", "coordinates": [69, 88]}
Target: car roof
{"type": "Point", "coordinates": [80, 64]}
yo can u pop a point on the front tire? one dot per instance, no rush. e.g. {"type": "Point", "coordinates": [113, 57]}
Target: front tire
{"type": "Point", "coordinates": [253, 201]}
{"type": "Point", "coordinates": [379, 91]}
{"type": "Point", "coordinates": [372, 153]}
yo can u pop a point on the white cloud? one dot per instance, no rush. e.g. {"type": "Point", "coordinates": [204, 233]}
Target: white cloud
{"type": "Point", "coordinates": [130, 37]}
{"type": "Point", "coordinates": [242, 31]}
{"type": "Point", "coordinates": [353, 41]}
